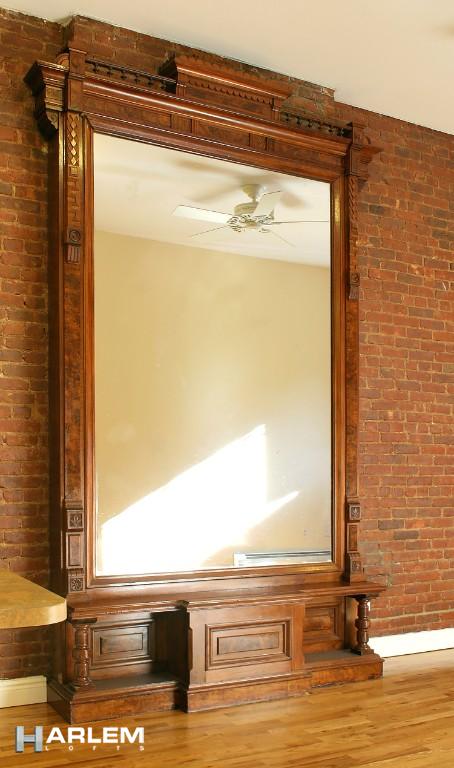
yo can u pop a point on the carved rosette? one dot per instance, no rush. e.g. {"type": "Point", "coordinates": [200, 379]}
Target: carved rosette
{"type": "Point", "coordinates": [76, 582]}
{"type": "Point", "coordinates": [75, 519]}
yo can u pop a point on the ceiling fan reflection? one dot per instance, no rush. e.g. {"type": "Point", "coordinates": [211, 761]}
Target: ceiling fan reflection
{"type": "Point", "coordinates": [257, 215]}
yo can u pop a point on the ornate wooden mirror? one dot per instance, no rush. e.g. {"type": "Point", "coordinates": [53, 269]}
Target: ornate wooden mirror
{"type": "Point", "coordinates": [204, 373]}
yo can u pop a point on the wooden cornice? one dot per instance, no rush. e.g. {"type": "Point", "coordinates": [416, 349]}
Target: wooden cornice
{"type": "Point", "coordinates": [199, 90]}
{"type": "Point", "coordinates": [193, 77]}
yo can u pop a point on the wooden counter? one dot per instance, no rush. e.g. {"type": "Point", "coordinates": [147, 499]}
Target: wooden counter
{"type": "Point", "coordinates": [25, 604]}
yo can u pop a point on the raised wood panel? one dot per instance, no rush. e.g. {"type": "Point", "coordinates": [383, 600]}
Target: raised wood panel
{"type": "Point", "coordinates": [233, 645]}
{"type": "Point", "coordinates": [124, 645]}
{"type": "Point", "coordinates": [290, 150]}
{"type": "Point", "coordinates": [319, 620]}
{"type": "Point", "coordinates": [247, 644]}
{"type": "Point", "coordinates": [74, 543]}
{"type": "Point", "coordinates": [243, 640]}
{"type": "Point", "coordinates": [126, 109]}
{"type": "Point", "coordinates": [323, 627]}
{"type": "Point", "coordinates": [123, 641]}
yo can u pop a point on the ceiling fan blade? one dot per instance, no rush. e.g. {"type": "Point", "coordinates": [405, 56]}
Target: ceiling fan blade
{"type": "Point", "coordinates": [300, 221]}
{"type": "Point", "coordinates": [210, 230]}
{"type": "Point", "coordinates": [201, 214]}
{"type": "Point", "coordinates": [215, 189]}
{"type": "Point", "coordinates": [267, 203]}
{"type": "Point", "coordinates": [278, 236]}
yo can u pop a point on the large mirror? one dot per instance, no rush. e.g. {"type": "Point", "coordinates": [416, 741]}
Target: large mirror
{"type": "Point", "coordinates": [213, 405]}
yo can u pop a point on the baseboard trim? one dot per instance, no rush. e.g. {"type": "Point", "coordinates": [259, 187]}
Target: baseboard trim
{"type": "Point", "coordinates": [413, 642]}
{"type": "Point", "coordinates": [23, 690]}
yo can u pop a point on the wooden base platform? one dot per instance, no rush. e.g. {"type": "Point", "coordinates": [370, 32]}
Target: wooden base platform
{"type": "Point", "coordinates": [112, 698]}
{"type": "Point", "coordinates": [342, 666]}
{"type": "Point", "coordinates": [152, 693]}
{"type": "Point", "coordinates": [245, 692]}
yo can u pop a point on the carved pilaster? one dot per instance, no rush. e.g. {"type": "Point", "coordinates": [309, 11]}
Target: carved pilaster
{"type": "Point", "coordinates": [353, 274]}
{"type": "Point", "coordinates": [353, 565]}
{"type": "Point", "coordinates": [359, 155]}
{"type": "Point", "coordinates": [81, 653]}
{"type": "Point", "coordinates": [357, 159]}
{"type": "Point", "coordinates": [72, 248]}
{"type": "Point", "coordinates": [362, 624]}
{"type": "Point", "coordinates": [72, 238]}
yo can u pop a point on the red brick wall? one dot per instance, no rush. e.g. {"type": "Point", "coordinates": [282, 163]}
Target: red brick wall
{"type": "Point", "coordinates": [407, 367]}
{"type": "Point", "coordinates": [23, 320]}
{"type": "Point", "coordinates": [406, 224]}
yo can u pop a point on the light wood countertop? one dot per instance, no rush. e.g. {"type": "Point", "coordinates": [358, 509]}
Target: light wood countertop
{"type": "Point", "coordinates": [25, 604]}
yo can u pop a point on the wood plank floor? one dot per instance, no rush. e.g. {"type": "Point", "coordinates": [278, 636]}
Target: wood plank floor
{"type": "Point", "coordinates": [405, 720]}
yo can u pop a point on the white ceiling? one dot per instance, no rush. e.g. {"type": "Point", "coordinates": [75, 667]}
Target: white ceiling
{"type": "Point", "coordinates": [395, 57]}
{"type": "Point", "coordinates": [138, 187]}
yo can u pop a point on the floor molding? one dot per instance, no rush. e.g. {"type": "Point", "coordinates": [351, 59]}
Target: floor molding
{"type": "Point", "coordinates": [413, 642]}
{"type": "Point", "coordinates": [22, 690]}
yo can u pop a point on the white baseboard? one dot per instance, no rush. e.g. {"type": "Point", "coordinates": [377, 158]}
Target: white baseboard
{"type": "Point", "coordinates": [413, 642]}
{"type": "Point", "coordinates": [22, 690]}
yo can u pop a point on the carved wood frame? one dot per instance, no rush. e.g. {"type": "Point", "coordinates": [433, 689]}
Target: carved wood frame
{"type": "Point", "coordinates": [197, 107]}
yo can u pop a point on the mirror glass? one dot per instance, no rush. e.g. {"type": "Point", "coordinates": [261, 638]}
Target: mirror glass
{"type": "Point", "coordinates": [212, 363]}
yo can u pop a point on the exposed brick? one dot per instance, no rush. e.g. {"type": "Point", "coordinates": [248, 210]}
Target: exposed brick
{"type": "Point", "coordinates": [23, 260]}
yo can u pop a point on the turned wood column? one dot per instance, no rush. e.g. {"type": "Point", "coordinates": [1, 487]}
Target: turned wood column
{"type": "Point", "coordinates": [362, 624]}
{"type": "Point", "coordinates": [81, 653]}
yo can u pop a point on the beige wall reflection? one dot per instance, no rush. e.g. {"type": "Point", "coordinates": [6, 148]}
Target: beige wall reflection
{"type": "Point", "coordinates": [212, 405]}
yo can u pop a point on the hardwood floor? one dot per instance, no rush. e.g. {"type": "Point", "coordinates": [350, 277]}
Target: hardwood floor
{"type": "Point", "coordinates": [405, 720]}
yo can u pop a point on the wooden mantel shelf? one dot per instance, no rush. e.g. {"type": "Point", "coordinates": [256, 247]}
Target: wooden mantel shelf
{"type": "Point", "coordinates": [156, 603]}
{"type": "Point", "coordinates": [25, 604]}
